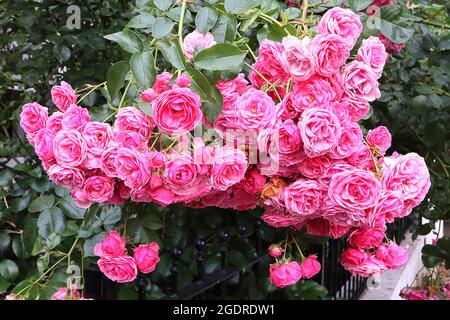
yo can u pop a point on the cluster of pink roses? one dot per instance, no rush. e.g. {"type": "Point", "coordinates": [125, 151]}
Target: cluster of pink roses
{"type": "Point", "coordinates": [68, 294]}
{"type": "Point", "coordinates": [117, 265]}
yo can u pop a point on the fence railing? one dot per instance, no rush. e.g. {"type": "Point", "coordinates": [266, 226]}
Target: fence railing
{"type": "Point", "coordinates": [339, 282]}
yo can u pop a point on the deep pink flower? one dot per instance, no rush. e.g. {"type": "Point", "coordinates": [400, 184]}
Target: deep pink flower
{"type": "Point", "coordinates": [146, 257]}
{"type": "Point", "coordinates": [112, 246]}
{"type": "Point", "coordinates": [366, 237]}
{"type": "Point", "coordinates": [120, 269]}
{"type": "Point", "coordinates": [75, 118]}
{"type": "Point", "coordinates": [342, 22]}
{"type": "Point", "coordinates": [392, 255]}
{"type": "Point", "coordinates": [285, 274]}
{"type": "Point", "coordinates": [66, 176]}
{"type": "Point", "coordinates": [330, 53]}
{"type": "Point", "coordinates": [98, 188]}
{"type": "Point", "coordinates": [310, 266]}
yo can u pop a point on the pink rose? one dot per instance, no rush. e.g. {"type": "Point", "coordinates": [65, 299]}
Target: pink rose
{"type": "Point", "coordinates": [98, 188]}
{"type": "Point", "coordinates": [183, 81]}
{"type": "Point", "coordinates": [304, 197]}
{"type": "Point", "coordinates": [120, 269]}
{"type": "Point", "coordinates": [162, 196]}
{"type": "Point", "coordinates": [392, 255]}
{"type": "Point", "coordinates": [255, 110]}
{"type": "Point", "coordinates": [285, 274]}
{"type": "Point", "coordinates": [379, 138]}
{"type": "Point", "coordinates": [66, 176]}
{"type": "Point", "coordinates": [185, 178]}
{"type": "Point", "coordinates": [229, 87]}
{"type": "Point", "coordinates": [296, 57]}
{"type": "Point", "coordinates": [63, 96]}
{"type": "Point", "coordinates": [253, 181]}
{"type": "Point", "coordinates": [390, 206]}
{"type": "Point", "coordinates": [349, 142]}
{"type": "Point", "coordinates": [279, 220]}
{"type": "Point", "coordinates": [313, 93]}
{"type": "Point", "coordinates": [330, 53]}
{"type": "Point", "coordinates": [391, 47]}
{"type": "Point", "coordinates": [340, 110]}
{"type": "Point", "coordinates": [133, 119]}
{"type": "Point", "coordinates": [366, 237]}
{"type": "Point", "coordinates": [33, 118]}
{"type": "Point", "coordinates": [69, 148]}
{"type": "Point", "coordinates": [80, 199]}
{"type": "Point", "coordinates": [357, 109]}
{"type": "Point", "coordinates": [75, 118]}
{"type": "Point", "coordinates": [342, 22]}
{"type": "Point", "coordinates": [66, 294]}
{"type": "Point", "coordinates": [242, 200]}
{"type": "Point", "coordinates": [148, 95]}
{"type": "Point", "coordinates": [337, 214]}
{"type": "Point", "coordinates": [275, 250]}
{"type": "Point", "coordinates": [146, 257]}
{"type": "Point", "coordinates": [354, 190]}
{"type": "Point", "coordinates": [229, 168]}
{"type": "Point", "coordinates": [197, 39]}
{"type": "Point", "coordinates": [97, 136]}
{"type": "Point", "coordinates": [157, 159]}
{"type": "Point", "coordinates": [131, 140]}
{"type": "Point", "coordinates": [289, 111]}
{"type": "Point", "coordinates": [177, 111]}
{"type": "Point", "coordinates": [373, 54]}
{"type": "Point", "coordinates": [406, 176]}
{"type": "Point", "coordinates": [43, 144]}
{"type": "Point", "coordinates": [162, 82]}
{"type": "Point", "coordinates": [310, 266]}
{"type": "Point", "coordinates": [324, 228]}
{"type": "Point", "coordinates": [107, 159]}
{"type": "Point", "coordinates": [360, 82]}
{"type": "Point", "coordinates": [54, 122]}
{"type": "Point", "coordinates": [112, 246]}
{"type": "Point", "coordinates": [132, 167]}
{"type": "Point", "coordinates": [361, 263]}
{"type": "Point", "coordinates": [362, 158]}
{"type": "Point", "coordinates": [314, 168]}
{"type": "Point", "coordinates": [320, 131]}
{"type": "Point", "coordinates": [335, 167]}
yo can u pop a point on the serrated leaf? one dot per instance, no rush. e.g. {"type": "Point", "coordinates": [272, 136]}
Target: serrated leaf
{"type": "Point", "coordinates": [172, 52]}
{"type": "Point", "coordinates": [115, 77]}
{"type": "Point", "coordinates": [162, 27]}
{"type": "Point", "coordinates": [42, 203]}
{"type": "Point", "coordinates": [221, 56]}
{"type": "Point", "coordinates": [127, 40]}
{"type": "Point", "coordinates": [240, 6]}
{"type": "Point", "coordinates": [206, 18]}
{"type": "Point", "coordinates": [143, 69]}
{"type": "Point", "coordinates": [51, 221]}
{"type": "Point", "coordinates": [225, 29]}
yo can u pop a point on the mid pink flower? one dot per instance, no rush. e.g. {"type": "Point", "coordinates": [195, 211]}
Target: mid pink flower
{"type": "Point", "coordinates": [360, 82]}
{"type": "Point", "coordinates": [379, 138]}
{"type": "Point", "coordinates": [119, 268]}
{"type": "Point", "coordinates": [98, 188]}
{"type": "Point", "coordinates": [75, 118]}
{"type": "Point", "coordinates": [63, 96]}
{"type": "Point", "coordinates": [373, 53]}
{"type": "Point", "coordinates": [197, 39]}
{"type": "Point", "coordinates": [33, 118]}
{"type": "Point", "coordinates": [146, 257]}
{"type": "Point", "coordinates": [392, 255]}
{"type": "Point", "coordinates": [304, 197]}
{"type": "Point", "coordinates": [69, 148]}
{"type": "Point", "coordinates": [310, 266]}
{"type": "Point", "coordinates": [229, 168]}
{"type": "Point", "coordinates": [297, 58]}
{"type": "Point", "coordinates": [330, 53]}
{"type": "Point", "coordinates": [285, 274]}
{"type": "Point", "coordinates": [133, 119]}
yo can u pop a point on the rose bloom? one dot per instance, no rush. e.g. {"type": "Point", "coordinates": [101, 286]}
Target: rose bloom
{"type": "Point", "coordinates": [288, 109]}
{"type": "Point", "coordinates": [162, 82]}
{"type": "Point", "coordinates": [80, 199]}
{"type": "Point", "coordinates": [360, 82]}
{"type": "Point", "coordinates": [107, 159]}
{"type": "Point", "coordinates": [320, 131]}
{"type": "Point", "coordinates": [98, 188]}
{"type": "Point", "coordinates": [63, 96]}
{"type": "Point", "coordinates": [69, 148]}
{"type": "Point", "coordinates": [148, 95]}
{"type": "Point", "coordinates": [354, 190]}
{"type": "Point", "coordinates": [66, 176]}
{"type": "Point", "coordinates": [120, 269]}
{"type": "Point", "coordinates": [342, 22]}
{"type": "Point", "coordinates": [277, 219]}
{"type": "Point", "coordinates": [131, 140]}
{"type": "Point", "coordinates": [146, 257]}
{"type": "Point", "coordinates": [324, 228]}
{"type": "Point", "coordinates": [366, 237]}
{"type": "Point", "coordinates": [253, 181]}
{"type": "Point", "coordinates": [313, 93]}
{"type": "Point", "coordinates": [361, 263]}
{"type": "Point", "coordinates": [392, 255]}
{"type": "Point", "coordinates": [286, 274]}
{"type": "Point", "coordinates": [379, 138]}
{"type": "Point", "coordinates": [237, 85]}
{"type": "Point", "coordinates": [335, 167]}
{"type": "Point", "coordinates": [349, 142]}
{"type": "Point", "coordinates": [286, 145]}
{"type": "Point", "coordinates": [54, 122]}
{"type": "Point", "coordinates": [97, 136]}
{"type": "Point", "coordinates": [112, 246]}
{"type": "Point", "coordinates": [162, 196]}
{"type": "Point", "coordinates": [357, 109]}
{"type": "Point", "coordinates": [133, 119]}
{"type": "Point", "coordinates": [255, 110]}
{"type": "Point", "coordinates": [336, 81]}
{"type": "Point", "coordinates": [229, 168]}
{"type": "Point", "coordinates": [66, 294]}
{"type": "Point", "coordinates": [406, 176]}
{"type": "Point", "coordinates": [33, 118]}
{"type": "Point", "coordinates": [391, 47]}
{"type": "Point", "coordinates": [304, 197]}
{"type": "Point", "coordinates": [275, 250]}
{"type": "Point", "coordinates": [296, 57]}
{"type": "Point", "coordinates": [373, 53]}
{"type": "Point", "coordinates": [362, 158]}
{"type": "Point", "coordinates": [314, 168]}
{"type": "Point", "coordinates": [330, 53]}
{"type": "Point", "coordinates": [337, 214]}
{"type": "Point", "coordinates": [132, 167]}
{"type": "Point", "coordinates": [43, 144]}
{"type": "Point", "coordinates": [75, 118]}
{"type": "Point", "coordinates": [177, 111]}
{"type": "Point", "coordinates": [197, 39]}
{"type": "Point", "coordinates": [390, 206]}
{"type": "Point", "coordinates": [185, 178]}
{"type": "Point", "coordinates": [310, 266]}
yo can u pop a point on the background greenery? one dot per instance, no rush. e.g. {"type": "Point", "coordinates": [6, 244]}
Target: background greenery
{"type": "Point", "coordinates": [39, 222]}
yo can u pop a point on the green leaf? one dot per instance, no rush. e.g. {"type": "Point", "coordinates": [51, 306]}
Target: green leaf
{"type": "Point", "coordinates": [70, 209]}
{"type": "Point", "coordinates": [127, 40]}
{"type": "Point", "coordinates": [42, 203]}
{"type": "Point", "coordinates": [206, 18]}
{"type": "Point", "coordinates": [240, 6]}
{"type": "Point", "coordinates": [431, 256]}
{"type": "Point", "coordinates": [163, 4]}
{"type": "Point", "coordinates": [143, 69]}
{"type": "Point", "coordinates": [4, 285]}
{"type": "Point", "coordinates": [43, 262]}
{"type": "Point", "coordinates": [392, 26]}
{"type": "Point", "coordinates": [210, 95]}
{"type": "Point", "coordinates": [358, 5]}
{"type": "Point", "coordinates": [9, 270]}
{"type": "Point", "coordinates": [162, 27]}
{"type": "Point", "coordinates": [237, 259]}
{"type": "Point", "coordinates": [110, 215]}
{"type": "Point", "coordinates": [225, 29]}
{"type": "Point", "coordinates": [276, 33]}
{"type": "Point", "coordinates": [5, 177]}
{"type": "Point", "coordinates": [152, 222]}
{"type": "Point", "coordinates": [52, 241]}
{"type": "Point", "coordinates": [51, 221]}
{"type": "Point", "coordinates": [115, 77]}
{"type": "Point", "coordinates": [172, 52]}
{"type": "Point", "coordinates": [142, 21]}
{"type": "Point", "coordinates": [220, 57]}
{"type": "Point", "coordinates": [90, 243]}
{"type": "Point", "coordinates": [5, 241]}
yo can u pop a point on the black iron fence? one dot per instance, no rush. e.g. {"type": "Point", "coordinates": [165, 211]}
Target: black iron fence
{"type": "Point", "coordinates": [215, 285]}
